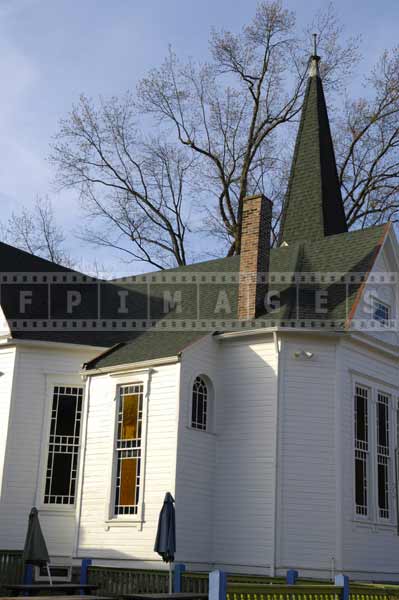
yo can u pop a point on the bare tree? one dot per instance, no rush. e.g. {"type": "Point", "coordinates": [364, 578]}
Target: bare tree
{"type": "Point", "coordinates": [36, 231]}
{"type": "Point", "coordinates": [367, 144]}
{"type": "Point", "coordinates": [131, 186]}
{"type": "Point", "coordinates": [228, 112]}
{"type": "Point", "coordinates": [204, 136]}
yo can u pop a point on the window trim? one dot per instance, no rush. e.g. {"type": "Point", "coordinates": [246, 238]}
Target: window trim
{"type": "Point", "coordinates": [370, 478]}
{"type": "Point", "coordinates": [210, 421]}
{"type": "Point", "coordinates": [52, 380]}
{"type": "Point", "coordinates": [391, 454]}
{"type": "Point", "coordinates": [118, 449]}
{"type": "Point", "coordinates": [375, 300]}
{"type": "Point", "coordinates": [376, 386]}
{"type": "Point", "coordinates": [142, 377]}
{"type": "Point", "coordinates": [67, 578]}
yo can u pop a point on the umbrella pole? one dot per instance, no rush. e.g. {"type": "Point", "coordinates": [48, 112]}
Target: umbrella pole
{"type": "Point", "coordinates": [49, 574]}
{"type": "Point", "coordinates": [170, 577]}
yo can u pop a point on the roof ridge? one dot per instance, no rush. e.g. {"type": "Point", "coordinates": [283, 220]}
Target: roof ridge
{"type": "Point", "coordinates": [377, 248]}
{"type": "Point", "coordinates": [202, 262]}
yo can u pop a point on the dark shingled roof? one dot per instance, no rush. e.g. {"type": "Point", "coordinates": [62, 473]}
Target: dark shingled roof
{"type": "Point", "coordinates": [313, 205]}
{"type": "Point", "coordinates": [146, 345]}
{"type": "Point", "coordinates": [351, 252]}
{"type": "Point", "coordinates": [14, 260]}
{"type": "Point", "coordinates": [18, 261]}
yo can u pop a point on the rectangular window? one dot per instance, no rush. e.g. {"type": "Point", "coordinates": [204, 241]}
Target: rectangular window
{"type": "Point", "coordinates": [361, 450]}
{"type": "Point", "coordinates": [381, 311]}
{"type": "Point", "coordinates": [62, 462]}
{"type": "Point", "coordinates": [58, 573]}
{"type": "Point", "coordinates": [128, 449]}
{"type": "Point", "coordinates": [383, 455]}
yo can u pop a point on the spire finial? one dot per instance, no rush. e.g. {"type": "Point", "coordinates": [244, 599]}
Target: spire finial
{"type": "Point", "coordinates": [314, 44]}
{"type": "Point", "coordinates": [314, 59]}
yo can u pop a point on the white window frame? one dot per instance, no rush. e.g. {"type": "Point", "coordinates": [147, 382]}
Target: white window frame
{"type": "Point", "coordinates": [120, 447]}
{"type": "Point", "coordinates": [134, 378]}
{"type": "Point", "coordinates": [377, 301]}
{"type": "Point", "coordinates": [389, 456]}
{"type": "Point", "coordinates": [201, 421]}
{"type": "Point", "coordinates": [67, 578]}
{"type": "Point", "coordinates": [375, 387]}
{"type": "Point", "coordinates": [52, 380]}
{"type": "Point", "coordinates": [368, 451]}
{"type": "Point", "coordinates": [210, 416]}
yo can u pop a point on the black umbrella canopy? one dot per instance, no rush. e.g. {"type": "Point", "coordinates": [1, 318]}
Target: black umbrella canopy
{"type": "Point", "coordinates": [165, 542]}
{"type": "Point", "coordinates": [35, 549]}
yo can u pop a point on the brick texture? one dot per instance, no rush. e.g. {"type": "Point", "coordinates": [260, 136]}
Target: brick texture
{"type": "Point", "coordinates": [255, 256]}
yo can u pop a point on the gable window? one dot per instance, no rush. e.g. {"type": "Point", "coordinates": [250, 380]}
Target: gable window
{"type": "Point", "coordinates": [361, 450]}
{"type": "Point", "coordinates": [381, 311]}
{"type": "Point", "coordinates": [383, 454]}
{"type": "Point", "coordinates": [63, 449]}
{"type": "Point", "coordinates": [199, 405]}
{"type": "Point", "coordinates": [128, 449]}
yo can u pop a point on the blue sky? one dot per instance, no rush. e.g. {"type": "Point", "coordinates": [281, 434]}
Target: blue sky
{"type": "Point", "coordinates": [52, 50]}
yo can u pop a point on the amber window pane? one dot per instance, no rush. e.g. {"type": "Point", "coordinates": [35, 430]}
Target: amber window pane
{"type": "Point", "coordinates": [128, 481]}
{"type": "Point", "coordinates": [129, 423]}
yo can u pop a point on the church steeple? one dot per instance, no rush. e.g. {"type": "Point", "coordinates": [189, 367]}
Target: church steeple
{"type": "Point", "coordinates": [313, 206]}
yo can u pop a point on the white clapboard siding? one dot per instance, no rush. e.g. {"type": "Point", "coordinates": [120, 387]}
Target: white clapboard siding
{"type": "Point", "coordinates": [99, 536]}
{"type": "Point", "coordinates": [370, 550]}
{"type": "Point", "coordinates": [7, 361]}
{"type": "Point", "coordinates": [23, 477]}
{"type": "Point", "coordinates": [196, 458]}
{"type": "Point", "coordinates": [306, 499]}
{"type": "Point", "coordinates": [245, 438]}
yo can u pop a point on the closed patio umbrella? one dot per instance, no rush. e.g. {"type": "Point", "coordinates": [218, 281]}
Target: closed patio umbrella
{"type": "Point", "coordinates": [35, 549]}
{"type": "Point", "coordinates": [165, 542]}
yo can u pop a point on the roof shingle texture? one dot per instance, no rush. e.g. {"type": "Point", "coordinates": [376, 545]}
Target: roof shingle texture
{"type": "Point", "coordinates": [344, 253]}
{"type": "Point", "coordinates": [313, 205]}
{"type": "Point", "coordinates": [351, 252]}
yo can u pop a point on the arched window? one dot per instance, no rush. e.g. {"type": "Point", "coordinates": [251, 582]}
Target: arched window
{"type": "Point", "coordinates": [200, 405]}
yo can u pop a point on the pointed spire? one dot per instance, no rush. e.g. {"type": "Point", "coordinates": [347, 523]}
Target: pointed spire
{"type": "Point", "coordinates": [313, 206]}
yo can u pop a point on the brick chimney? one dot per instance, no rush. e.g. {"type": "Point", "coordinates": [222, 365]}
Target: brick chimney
{"type": "Point", "coordinates": [254, 257]}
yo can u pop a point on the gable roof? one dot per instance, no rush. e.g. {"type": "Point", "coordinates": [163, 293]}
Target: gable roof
{"type": "Point", "coordinates": [16, 261]}
{"type": "Point", "coordinates": [342, 254]}
{"type": "Point", "coordinates": [313, 205]}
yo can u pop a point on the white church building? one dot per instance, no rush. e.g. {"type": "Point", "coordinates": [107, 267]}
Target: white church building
{"type": "Point", "coordinates": [267, 405]}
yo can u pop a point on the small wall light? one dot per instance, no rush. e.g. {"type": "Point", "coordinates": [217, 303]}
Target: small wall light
{"type": "Point", "coordinates": [303, 355]}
